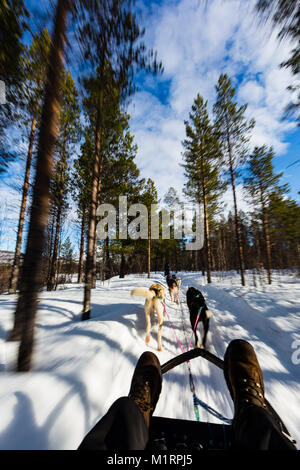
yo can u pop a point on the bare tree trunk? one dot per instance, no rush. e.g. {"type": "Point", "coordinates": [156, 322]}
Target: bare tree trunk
{"type": "Point", "coordinates": [266, 236]}
{"type": "Point", "coordinates": [51, 281]}
{"type": "Point", "coordinates": [149, 255]}
{"type": "Point", "coordinates": [80, 264]}
{"type": "Point", "coordinates": [237, 219]}
{"type": "Point", "coordinates": [95, 260]}
{"type": "Point", "coordinates": [197, 260]}
{"type": "Point", "coordinates": [31, 272]}
{"type": "Point", "coordinates": [106, 250]}
{"type": "Point", "coordinates": [95, 235]}
{"type": "Point", "coordinates": [206, 233]}
{"type": "Point", "coordinates": [16, 266]}
{"type": "Point", "coordinates": [90, 264]}
{"type": "Point", "coordinates": [268, 246]}
{"type": "Point", "coordinates": [258, 251]}
{"type": "Point", "coordinates": [122, 265]}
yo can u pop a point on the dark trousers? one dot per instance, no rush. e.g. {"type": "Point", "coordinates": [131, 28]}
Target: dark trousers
{"type": "Point", "coordinates": [255, 428]}
{"type": "Point", "coordinates": [124, 428]}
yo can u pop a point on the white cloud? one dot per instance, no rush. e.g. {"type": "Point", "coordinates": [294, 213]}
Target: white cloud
{"type": "Point", "coordinates": [196, 43]}
{"type": "Point", "coordinates": [252, 91]}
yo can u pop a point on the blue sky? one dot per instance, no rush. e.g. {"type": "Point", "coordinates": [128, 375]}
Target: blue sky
{"type": "Point", "coordinates": [197, 41]}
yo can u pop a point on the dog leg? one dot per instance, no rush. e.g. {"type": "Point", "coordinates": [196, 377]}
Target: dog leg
{"type": "Point", "coordinates": [160, 323]}
{"type": "Point", "coordinates": [206, 326]}
{"type": "Point", "coordinates": [197, 344]}
{"type": "Point", "coordinates": [148, 326]}
{"type": "Point", "coordinates": [153, 319]}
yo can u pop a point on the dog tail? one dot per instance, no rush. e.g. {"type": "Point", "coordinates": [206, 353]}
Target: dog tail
{"type": "Point", "coordinates": [143, 292]}
{"type": "Point", "coordinates": [208, 313]}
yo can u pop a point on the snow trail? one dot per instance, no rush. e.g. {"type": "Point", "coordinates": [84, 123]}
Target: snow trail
{"type": "Point", "coordinates": [80, 368]}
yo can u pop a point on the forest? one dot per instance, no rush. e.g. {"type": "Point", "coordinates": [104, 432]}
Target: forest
{"type": "Point", "coordinates": [67, 91]}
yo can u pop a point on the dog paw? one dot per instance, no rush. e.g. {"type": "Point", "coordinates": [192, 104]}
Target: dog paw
{"type": "Point", "coordinates": [147, 339]}
{"type": "Point", "coordinates": [159, 348]}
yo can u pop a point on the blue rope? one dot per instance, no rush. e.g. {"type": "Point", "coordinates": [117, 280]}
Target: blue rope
{"type": "Point", "coordinates": [197, 402]}
{"type": "Point", "coordinates": [216, 414]}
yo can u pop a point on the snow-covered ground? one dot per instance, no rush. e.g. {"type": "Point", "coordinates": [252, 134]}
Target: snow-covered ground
{"type": "Point", "coordinates": [80, 368]}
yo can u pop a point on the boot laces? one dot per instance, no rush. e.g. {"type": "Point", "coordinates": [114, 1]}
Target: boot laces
{"type": "Point", "coordinates": [141, 395]}
{"type": "Point", "coordinates": [250, 389]}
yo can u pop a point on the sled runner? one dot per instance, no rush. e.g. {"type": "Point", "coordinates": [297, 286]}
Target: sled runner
{"type": "Point", "coordinates": [179, 434]}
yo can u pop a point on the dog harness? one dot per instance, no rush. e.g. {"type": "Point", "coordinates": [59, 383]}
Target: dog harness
{"type": "Point", "coordinates": [195, 326]}
{"type": "Point", "coordinates": [157, 289]}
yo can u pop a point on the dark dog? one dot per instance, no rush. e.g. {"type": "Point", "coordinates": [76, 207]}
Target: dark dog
{"type": "Point", "coordinates": [196, 304]}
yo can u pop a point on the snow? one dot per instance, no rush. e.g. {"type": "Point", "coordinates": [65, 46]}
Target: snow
{"type": "Point", "coordinates": [80, 368]}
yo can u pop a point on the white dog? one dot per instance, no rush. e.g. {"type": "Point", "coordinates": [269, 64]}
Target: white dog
{"type": "Point", "coordinates": [174, 287]}
{"type": "Point", "coordinates": [173, 291]}
{"type": "Point", "coordinates": [154, 303]}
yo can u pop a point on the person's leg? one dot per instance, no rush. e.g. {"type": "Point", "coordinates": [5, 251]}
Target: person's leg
{"type": "Point", "coordinates": [256, 429]}
{"type": "Point", "coordinates": [126, 424]}
{"type": "Point", "coordinates": [255, 424]}
{"type": "Point", "coordinates": [122, 428]}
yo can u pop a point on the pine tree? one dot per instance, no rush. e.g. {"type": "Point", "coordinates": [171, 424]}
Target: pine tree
{"type": "Point", "coordinates": [30, 278]}
{"type": "Point", "coordinates": [121, 178]}
{"type": "Point", "coordinates": [13, 16]}
{"type": "Point", "coordinates": [35, 67]}
{"type": "Point", "coordinates": [149, 197]}
{"type": "Point", "coordinates": [202, 167]}
{"type": "Point", "coordinates": [67, 259]}
{"type": "Point", "coordinates": [284, 221]}
{"type": "Point", "coordinates": [109, 29]}
{"type": "Point", "coordinates": [13, 23]}
{"type": "Point", "coordinates": [170, 249]}
{"type": "Point", "coordinates": [233, 129]}
{"type": "Point", "coordinates": [261, 183]}
{"type": "Point", "coordinates": [286, 15]}
{"type": "Point", "coordinates": [80, 187]}
{"type": "Point", "coordinates": [69, 135]}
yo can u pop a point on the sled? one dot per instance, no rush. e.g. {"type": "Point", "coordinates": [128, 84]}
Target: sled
{"type": "Point", "coordinates": [168, 434]}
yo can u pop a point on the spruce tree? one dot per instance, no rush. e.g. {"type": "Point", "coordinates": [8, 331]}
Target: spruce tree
{"type": "Point", "coordinates": [233, 130]}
